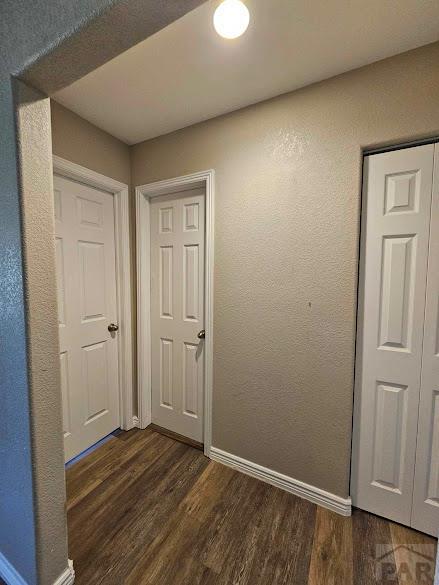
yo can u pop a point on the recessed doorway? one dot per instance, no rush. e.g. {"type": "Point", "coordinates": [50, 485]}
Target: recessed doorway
{"type": "Point", "coordinates": [94, 305]}
{"type": "Point", "coordinates": [175, 305]}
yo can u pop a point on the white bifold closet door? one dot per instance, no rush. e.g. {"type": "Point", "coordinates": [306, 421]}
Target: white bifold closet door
{"type": "Point", "coordinates": [425, 514]}
{"type": "Point", "coordinates": [177, 312]}
{"type": "Point", "coordinates": [395, 455]}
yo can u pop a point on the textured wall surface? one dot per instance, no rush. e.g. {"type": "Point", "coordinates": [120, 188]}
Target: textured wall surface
{"type": "Point", "coordinates": [288, 178]}
{"type": "Point", "coordinates": [33, 123]}
{"type": "Point", "coordinates": [78, 141]}
{"type": "Point", "coordinates": [17, 526]}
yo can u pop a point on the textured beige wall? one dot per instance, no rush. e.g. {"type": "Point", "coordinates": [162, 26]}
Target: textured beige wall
{"type": "Point", "coordinates": [78, 141]}
{"type": "Point", "coordinates": [286, 237]}
{"type": "Point", "coordinates": [33, 122]}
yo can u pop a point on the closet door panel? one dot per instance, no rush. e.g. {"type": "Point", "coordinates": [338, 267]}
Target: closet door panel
{"type": "Point", "coordinates": [395, 235]}
{"type": "Point", "coordinates": [425, 513]}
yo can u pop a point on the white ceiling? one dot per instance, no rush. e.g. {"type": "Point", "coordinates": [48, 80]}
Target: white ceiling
{"type": "Point", "coordinates": [187, 73]}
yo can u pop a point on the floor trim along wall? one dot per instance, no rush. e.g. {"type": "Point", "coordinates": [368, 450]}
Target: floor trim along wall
{"type": "Point", "coordinates": [9, 574]}
{"type": "Point", "coordinates": [303, 490]}
{"type": "Point", "coordinates": [67, 577]}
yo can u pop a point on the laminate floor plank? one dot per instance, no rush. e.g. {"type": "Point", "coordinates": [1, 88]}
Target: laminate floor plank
{"type": "Point", "coordinates": [109, 507]}
{"type": "Point", "coordinates": [105, 453]}
{"type": "Point", "coordinates": [332, 553]}
{"type": "Point", "coordinates": [371, 539]}
{"type": "Point", "coordinates": [186, 531]}
{"type": "Point", "coordinates": [140, 514]}
{"type": "Point", "coordinates": [151, 516]}
{"type": "Point", "coordinates": [234, 521]}
{"type": "Point", "coordinates": [144, 509]}
{"type": "Point", "coordinates": [415, 555]}
{"type": "Point", "coordinates": [234, 550]}
{"type": "Point", "coordinates": [91, 471]}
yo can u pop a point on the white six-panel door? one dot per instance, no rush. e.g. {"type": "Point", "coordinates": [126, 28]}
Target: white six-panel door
{"type": "Point", "coordinates": [395, 239]}
{"type": "Point", "coordinates": [425, 514]}
{"type": "Point", "coordinates": [85, 256]}
{"type": "Point", "coordinates": [177, 312]}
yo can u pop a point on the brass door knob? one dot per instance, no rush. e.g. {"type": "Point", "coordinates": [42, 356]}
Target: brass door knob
{"type": "Point", "coordinates": [112, 327]}
{"type": "Point", "coordinates": [201, 334]}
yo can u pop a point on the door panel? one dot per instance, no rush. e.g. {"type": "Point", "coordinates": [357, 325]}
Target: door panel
{"type": "Point", "coordinates": [395, 235]}
{"type": "Point", "coordinates": [86, 277]}
{"type": "Point", "coordinates": [397, 287]}
{"type": "Point", "coordinates": [192, 380]}
{"type": "Point", "coordinates": [425, 515]}
{"type": "Point", "coordinates": [177, 312]}
{"type": "Point", "coordinates": [92, 280]}
{"type": "Point", "coordinates": [94, 360]}
{"type": "Point", "coordinates": [390, 430]}
{"type": "Point", "coordinates": [166, 373]}
{"type": "Point", "coordinates": [166, 281]}
{"type": "Point", "coordinates": [191, 272]}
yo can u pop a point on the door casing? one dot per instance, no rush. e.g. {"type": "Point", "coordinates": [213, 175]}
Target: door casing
{"type": "Point", "coordinates": [144, 194]}
{"type": "Point", "coordinates": [120, 192]}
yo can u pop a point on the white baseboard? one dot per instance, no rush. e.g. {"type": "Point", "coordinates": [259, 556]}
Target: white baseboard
{"type": "Point", "coordinates": [11, 576]}
{"type": "Point", "coordinates": [293, 486]}
{"type": "Point", "coordinates": [142, 424]}
{"type": "Point", "coordinates": [9, 573]}
{"type": "Point", "coordinates": [67, 577]}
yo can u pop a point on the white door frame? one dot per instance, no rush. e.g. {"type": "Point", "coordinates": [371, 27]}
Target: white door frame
{"type": "Point", "coordinates": [120, 191]}
{"type": "Point", "coordinates": [144, 194]}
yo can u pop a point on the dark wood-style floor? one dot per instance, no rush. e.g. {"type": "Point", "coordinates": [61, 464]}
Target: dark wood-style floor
{"type": "Point", "coordinates": [144, 509]}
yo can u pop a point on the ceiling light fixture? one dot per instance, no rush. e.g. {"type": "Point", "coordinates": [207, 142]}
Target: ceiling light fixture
{"type": "Point", "coordinates": [231, 19]}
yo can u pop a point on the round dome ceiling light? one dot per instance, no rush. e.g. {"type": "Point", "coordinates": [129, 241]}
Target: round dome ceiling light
{"type": "Point", "coordinates": [231, 19]}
